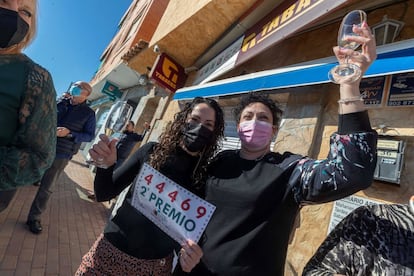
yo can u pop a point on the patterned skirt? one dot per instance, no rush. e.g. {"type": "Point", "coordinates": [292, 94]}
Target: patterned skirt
{"type": "Point", "coordinates": [104, 259]}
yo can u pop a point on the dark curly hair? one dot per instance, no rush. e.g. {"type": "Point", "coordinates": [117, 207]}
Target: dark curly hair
{"type": "Point", "coordinates": [171, 138]}
{"type": "Point", "coordinates": [258, 97]}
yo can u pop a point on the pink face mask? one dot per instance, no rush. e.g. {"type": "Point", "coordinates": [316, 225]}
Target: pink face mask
{"type": "Point", "coordinates": [255, 134]}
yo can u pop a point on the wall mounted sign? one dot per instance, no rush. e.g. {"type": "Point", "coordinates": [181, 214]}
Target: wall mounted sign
{"type": "Point", "coordinates": [282, 22]}
{"type": "Point", "coordinates": [401, 90]}
{"type": "Point", "coordinates": [111, 90]}
{"type": "Point", "coordinates": [372, 90]}
{"type": "Point", "coordinates": [220, 64]}
{"type": "Point", "coordinates": [167, 73]}
{"type": "Point", "coordinates": [390, 157]}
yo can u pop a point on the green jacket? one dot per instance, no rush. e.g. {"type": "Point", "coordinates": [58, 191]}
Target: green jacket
{"type": "Point", "coordinates": [27, 120]}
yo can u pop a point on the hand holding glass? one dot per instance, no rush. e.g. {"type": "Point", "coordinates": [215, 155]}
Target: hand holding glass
{"type": "Point", "coordinates": [121, 112]}
{"type": "Point", "coordinates": [118, 119]}
{"type": "Point", "coordinates": [348, 72]}
{"type": "Point", "coordinates": [103, 153]}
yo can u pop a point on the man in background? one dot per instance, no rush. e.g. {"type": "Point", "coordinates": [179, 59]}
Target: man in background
{"type": "Point", "coordinates": [75, 124]}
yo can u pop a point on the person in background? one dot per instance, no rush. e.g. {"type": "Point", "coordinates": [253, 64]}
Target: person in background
{"type": "Point", "coordinates": [131, 243]}
{"type": "Point", "coordinates": [75, 124]}
{"type": "Point", "coordinates": [27, 103]}
{"type": "Point", "coordinates": [372, 240]}
{"type": "Point", "coordinates": [258, 193]}
{"type": "Point", "coordinates": [127, 142]}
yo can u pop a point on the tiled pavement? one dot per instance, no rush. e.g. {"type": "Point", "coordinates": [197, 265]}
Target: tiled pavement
{"type": "Point", "coordinates": [71, 224]}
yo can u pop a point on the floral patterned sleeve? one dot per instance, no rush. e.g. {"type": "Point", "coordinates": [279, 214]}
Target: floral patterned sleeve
{"type": "Point", "coordinates": [349, 168]}
{"type": "Point", "coordinates": [32, 151]}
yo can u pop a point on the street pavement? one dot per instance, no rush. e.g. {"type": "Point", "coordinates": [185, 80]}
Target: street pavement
{"type": "Point", "coordinates": [71, 224]}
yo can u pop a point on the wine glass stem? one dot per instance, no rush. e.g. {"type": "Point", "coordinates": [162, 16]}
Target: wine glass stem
{"type": "Point", "coordinates": [346, 59]}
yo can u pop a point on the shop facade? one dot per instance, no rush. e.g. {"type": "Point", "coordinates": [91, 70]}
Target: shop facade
{"type": "Point", "coordinates": [284, 49]}
{"type": "Point", "coordinates": [115, 83]}
{"type": "Point", "coordinates": [310, 106]}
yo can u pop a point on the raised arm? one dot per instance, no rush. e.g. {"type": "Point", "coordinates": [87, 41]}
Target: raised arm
{"type": "Point", "coordinates": [351, 162]}
{"type": "Point", "coordinates": [350, 97]}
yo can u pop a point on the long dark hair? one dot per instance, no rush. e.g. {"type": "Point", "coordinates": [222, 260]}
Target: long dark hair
{"type": "Point", "coordinates": [171, 138]}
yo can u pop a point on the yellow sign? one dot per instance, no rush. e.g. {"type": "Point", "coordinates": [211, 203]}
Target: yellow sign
{"type": "Point", "coordinates": [283, 21]}
{"type": "Point", "coordinates": [168, 73]}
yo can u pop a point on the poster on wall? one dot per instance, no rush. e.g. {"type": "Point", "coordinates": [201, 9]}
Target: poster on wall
{"type": "Point", "coordinates": [372, 90]}
{"type": "Point", "coordinates": [401, 90]}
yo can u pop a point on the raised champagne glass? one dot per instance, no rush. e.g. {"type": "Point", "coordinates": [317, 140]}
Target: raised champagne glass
{"type": "Point", "coordinates": [118, 117]}
{"type": "Point", "coordinates": [348, 72]}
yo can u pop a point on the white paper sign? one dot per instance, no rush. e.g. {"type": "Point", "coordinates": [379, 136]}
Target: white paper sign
{"type": "Point", "coordinates": [345, 206]}
{"type": "Point", "coordinates": [175, 210]}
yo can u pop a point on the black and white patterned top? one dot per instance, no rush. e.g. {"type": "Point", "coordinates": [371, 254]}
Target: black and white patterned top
{"type": "Point", "coordinates": [372, 240]}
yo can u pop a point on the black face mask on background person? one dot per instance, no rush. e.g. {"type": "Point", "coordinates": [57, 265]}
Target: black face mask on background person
{"type": "Point", "coordinates": [13, 28]}
{"type": "Point", "coordinates": [196, 137]}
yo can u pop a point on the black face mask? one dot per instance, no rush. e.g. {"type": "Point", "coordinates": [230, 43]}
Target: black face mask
{"type": "Point", "coordinates": [13, 28]}
{"type": "Point", "coordinates": [196, 137]}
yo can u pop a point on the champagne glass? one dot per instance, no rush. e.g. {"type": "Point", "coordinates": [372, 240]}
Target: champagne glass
{"type": "Point", "coordinates": [118, 117]}
{"type": "Point", "coordinates": [348, 72]}
{"type": "Point", "coordinates": [116, 122]}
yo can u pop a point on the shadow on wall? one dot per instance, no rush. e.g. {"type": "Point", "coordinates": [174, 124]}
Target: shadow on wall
{"type": "Point", "coordinates": [290, 270]}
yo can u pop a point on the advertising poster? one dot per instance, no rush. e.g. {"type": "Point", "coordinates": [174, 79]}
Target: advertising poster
{"type": "Point", "coordinates": [401, 90]}
{"type": "Point", "coordinates": [372, 90]}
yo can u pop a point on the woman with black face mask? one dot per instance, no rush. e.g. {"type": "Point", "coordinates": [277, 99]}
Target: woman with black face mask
{"type": "Point", "coordinates": [136, 246]}
{"type": "Point", "coordinates": [258, 193]}
{"type": "Point", "coordinates": [27, 103]}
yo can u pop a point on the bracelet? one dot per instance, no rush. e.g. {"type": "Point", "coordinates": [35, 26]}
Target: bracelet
{"type": "Point", "coordinates": [351, 100]}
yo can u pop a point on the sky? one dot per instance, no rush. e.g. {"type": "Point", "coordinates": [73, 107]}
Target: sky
{"type": "Point", "coordinates": [72, 35]}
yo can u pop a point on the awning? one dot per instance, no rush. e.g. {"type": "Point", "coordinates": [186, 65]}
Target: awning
{"type": "Point", "coordinates": [392, 59]}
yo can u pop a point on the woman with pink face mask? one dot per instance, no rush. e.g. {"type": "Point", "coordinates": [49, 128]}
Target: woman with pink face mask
{"type": "Point", "coordinates": [258, 193]}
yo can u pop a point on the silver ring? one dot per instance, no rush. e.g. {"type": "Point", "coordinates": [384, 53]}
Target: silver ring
{"type": "Point", "coordinates": [100, 160]}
